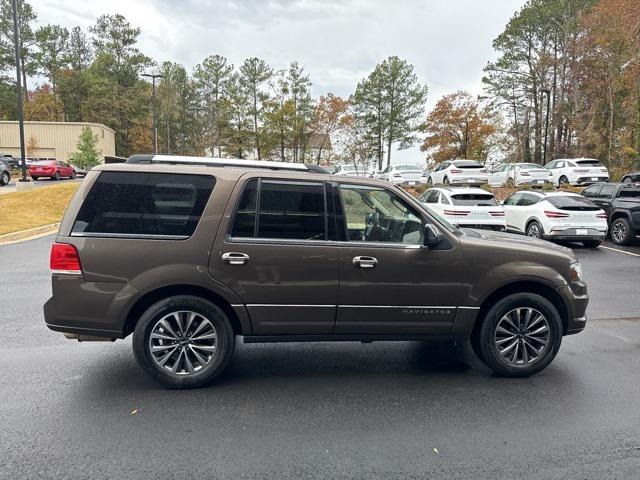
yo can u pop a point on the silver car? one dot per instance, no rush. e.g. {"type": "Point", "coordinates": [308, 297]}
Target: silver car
{"type": "Point", "coordinates": [5, 173]}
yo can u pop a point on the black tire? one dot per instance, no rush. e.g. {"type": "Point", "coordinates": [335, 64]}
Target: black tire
{"type": "Point", "coordinates": [445, 181]}
{"type": "Point", "coordinates": [224, 342]}
{"type": "Point", "coordinates": [621, 231]}
{"type": "Point", "coordinates": [73, 174]}
{"type": "Point", "coordinates": [56, 176]}
{"type": "Point", "coordinates": [592, 243]}
{"type": "Point", "coordinates": [430, 182]}
{"type": "Point", "coordinates": [534, 229]}
{"type": "Point", "coordinates": [5, 178]}
{"type": "Point", "coordinates": [563, 180]}
{"type": "Point", "coordinates": [34, 178]}
{"type": "Point", "coordinates": [485, 336]}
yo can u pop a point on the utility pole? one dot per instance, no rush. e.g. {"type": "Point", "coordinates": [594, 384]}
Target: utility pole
{"type": "Point", "coordinates": [16, 45]}
{"type": "Point", "coordinates": [546, 124]}
{"type": "Point", "coordinates": [466, 137]}
{"type": "Point", "coordinates": [155, 124]}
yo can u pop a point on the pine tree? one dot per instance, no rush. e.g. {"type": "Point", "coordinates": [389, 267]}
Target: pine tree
{"type": "Point", "coordinates": [87, 155]}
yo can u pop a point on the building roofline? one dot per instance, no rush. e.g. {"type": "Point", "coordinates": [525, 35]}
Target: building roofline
{"type": "Point", "coordinates": [29, 122]}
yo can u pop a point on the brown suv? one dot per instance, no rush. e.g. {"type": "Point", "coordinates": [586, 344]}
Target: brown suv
{"type": "Point", "coordinates": [187, 253]}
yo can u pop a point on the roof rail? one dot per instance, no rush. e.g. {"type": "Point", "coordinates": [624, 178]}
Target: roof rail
{"type": "Point", "coordinates": [225, 162]}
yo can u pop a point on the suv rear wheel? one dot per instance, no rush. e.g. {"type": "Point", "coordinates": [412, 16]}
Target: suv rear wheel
{"type": "Point", "coordinates": [183, 341]}
{"type": "Point", "coordinates": [519, 336]}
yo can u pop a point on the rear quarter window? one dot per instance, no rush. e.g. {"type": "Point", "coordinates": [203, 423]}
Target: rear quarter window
{"type": "Point", "coordinates": [143, 204]}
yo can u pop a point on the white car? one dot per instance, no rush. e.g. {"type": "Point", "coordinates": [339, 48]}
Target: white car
{"type": "Point", "coordinates": [577, 171]}
{"type": "Point", "coordinates": [465, 207]}
{"type": "Point", "coordinates": [459, 172]}
{"type": "Point", "coordinates": [409, 174]}
{"type": "Point", "coordinates": [520, 174]}
{"type": "Point", "coordinates": [348, 170]}
{"type": "Point", "coordinates": [556, 216]}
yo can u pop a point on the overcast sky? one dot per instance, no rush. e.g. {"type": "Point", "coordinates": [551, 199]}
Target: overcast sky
{"type": "Point", "coordinates": [337, 41]}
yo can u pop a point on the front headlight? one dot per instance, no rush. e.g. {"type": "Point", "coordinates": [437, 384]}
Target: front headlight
{"type": "Point", "coordinates": [575, 272]}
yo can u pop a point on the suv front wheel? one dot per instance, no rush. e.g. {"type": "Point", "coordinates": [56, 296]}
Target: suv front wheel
{"type": "Point", "coordinates": [183, 341]}
{"type": "Point", "coordinates": [519, 336]}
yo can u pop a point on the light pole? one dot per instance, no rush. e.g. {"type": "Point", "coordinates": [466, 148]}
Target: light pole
{"type": "Point", "coordinates": [16, 45]}
{"type": "Point", "coordinates": [546, 124]}
{"type": "Point", "coordinates": [155, 125]}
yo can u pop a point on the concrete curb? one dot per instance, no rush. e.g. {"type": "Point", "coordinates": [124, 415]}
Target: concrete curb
{"type": "Point", "coordinates": [29, 234]}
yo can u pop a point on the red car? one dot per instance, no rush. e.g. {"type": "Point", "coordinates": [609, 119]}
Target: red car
{"type": "Point", "coordinates": [52, 169]}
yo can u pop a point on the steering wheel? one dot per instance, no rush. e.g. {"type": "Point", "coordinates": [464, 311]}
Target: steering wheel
{"type": "Point", "coordinates": [371, 222]}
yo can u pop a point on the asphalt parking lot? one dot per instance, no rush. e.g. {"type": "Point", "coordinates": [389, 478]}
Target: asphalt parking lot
{"type": "Point", "coordinates": [43, 182]}
{"type": "Point", "coordinates": [351, 410]}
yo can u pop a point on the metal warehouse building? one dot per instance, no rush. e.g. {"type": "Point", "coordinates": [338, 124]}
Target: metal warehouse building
{"type": "Point", "coordinates": [55, 140]}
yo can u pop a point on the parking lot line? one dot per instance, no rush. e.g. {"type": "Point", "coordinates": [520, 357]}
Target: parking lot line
{"type": "Point", "coordinates": [621, 251]}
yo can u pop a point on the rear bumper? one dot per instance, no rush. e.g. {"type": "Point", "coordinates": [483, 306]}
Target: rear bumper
{"type": "Point", "coordinates": [576, 234]}
{"type": "Point", "coordinates": [469, 181]}
{"type": "Point", "coordinates": [575, 299]}
{"type": "Point", "coordinates": [72, 325]}
{"type": "Point", "coordinates": [534, 182]}
{"type": "Point", "coordinates": [590, 180]}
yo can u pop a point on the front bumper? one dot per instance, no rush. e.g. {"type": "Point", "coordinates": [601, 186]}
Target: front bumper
{"type": "Point", "coordinates": [575, 299]}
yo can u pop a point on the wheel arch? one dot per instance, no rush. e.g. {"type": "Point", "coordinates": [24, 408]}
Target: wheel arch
{"type": "Point", "coordinates": [523, 286]}
{"type": "Point", "coordinates": [149, 298]}
{"type": "Point", "coordinates": [620, 214]}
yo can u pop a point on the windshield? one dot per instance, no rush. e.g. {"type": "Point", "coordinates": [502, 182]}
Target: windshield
{"type": "Point", "coordinates": [474, 199]}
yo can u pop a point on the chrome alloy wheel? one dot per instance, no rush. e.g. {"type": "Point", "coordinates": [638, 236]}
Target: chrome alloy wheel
{"type": "Point", "coordinates": [618, 232]}
{"type": "Point", "coordinates": [183, 342]}
{"type": "Point", "coordinates": [522, 336]}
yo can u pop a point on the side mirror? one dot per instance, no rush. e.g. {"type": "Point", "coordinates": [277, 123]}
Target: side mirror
{"type": "Point", "coordinates": [432, 236]}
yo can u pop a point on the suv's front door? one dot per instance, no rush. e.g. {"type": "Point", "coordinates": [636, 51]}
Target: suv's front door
{"type": "Point", "coordinates": [389, 282]}
{"type": "Point", "coordinates": [275, 255]}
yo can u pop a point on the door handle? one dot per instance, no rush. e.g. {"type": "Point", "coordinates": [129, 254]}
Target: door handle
{"type": "Point", "coordinates": [235, 258]}
{"type": "Point", "coordinates": [365, 262]}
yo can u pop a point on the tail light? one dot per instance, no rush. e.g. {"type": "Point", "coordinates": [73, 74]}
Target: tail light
{"type": "Point", "coordinates": [483, 170]}
{"type": "Point", "coordinates": [397, 175]}
{"type": "Point", "coordinates": [457, 213]}
{"type": "Point", "coordinates": [455, 170]}
{"type": "Point", "coordinates": [581, 170]}
{"type": "Point", "coordinates": [64, 259]}
{"type": "Point", "coordinates": [601, 215]}
{"type": "Point", "coordinates": [525, 174]}
{"type": "Point", "coordinates": [552, 214]}
{"type": "Point", "coordinates": [497, 214]}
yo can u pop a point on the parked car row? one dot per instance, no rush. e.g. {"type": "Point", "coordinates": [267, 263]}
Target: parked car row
{"type": "Point", "coordinates": [546, 215]}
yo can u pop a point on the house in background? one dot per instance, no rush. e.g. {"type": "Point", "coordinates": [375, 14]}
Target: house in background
{"type": "Point", "coordinates": [53, 140]}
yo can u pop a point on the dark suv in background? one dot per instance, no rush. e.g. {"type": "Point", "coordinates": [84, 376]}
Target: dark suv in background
{"type": "Point", "coordinates": [621, 203]}
{"type": "Point", "coordinates": [187, 253]}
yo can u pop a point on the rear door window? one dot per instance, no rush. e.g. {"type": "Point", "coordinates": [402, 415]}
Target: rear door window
{"type": "Point", "coordinates": [277, 209]}
{"type": "Point", "coordinates": [608, 191]}
{"type": "Point", "coordinates": [143, 204]}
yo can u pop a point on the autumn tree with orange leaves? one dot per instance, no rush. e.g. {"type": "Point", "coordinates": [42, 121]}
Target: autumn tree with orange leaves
{"type": "Point", "coordinates": [458, 127]}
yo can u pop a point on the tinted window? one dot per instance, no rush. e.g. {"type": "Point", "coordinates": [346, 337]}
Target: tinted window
{"type": "Point", "coordinates": [592, 191]}
{"type": "Point", "coordinates": [377, 215]}
{"type": "Point", "coordinates": [589, 163]}
{"type": "Point", "coordinates": [629, 194]}
{"type": "Point", "coordinates": [607, 191]}
{"type": "Point", "coordinates": [528, 199]}
{"type": "Point", "coordinates": [285, 210]}
{"type": "Point", "coordinates": [432, 196]}
{"type": "Point", "coordinates": [125, 203]}
{"type": "Point", "coordinates": [244, 224]}
{"type": "Point", "coordinates": [291, 211]}
{"type": "Point", "coordinates": [569, 202]}
{"type": "Point", "coordinates": [474, 199]}
{"type": "Point", "coordinates": [513, 199]}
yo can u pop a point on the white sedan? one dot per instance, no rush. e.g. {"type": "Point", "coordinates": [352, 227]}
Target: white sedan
{"type": "Point", "coordinates": [530, 174]}
{"type": "Point", "coordinates": [409, 174]}
{"type": "Point", "coordinates": [465, 207]}
{"type": "Point", "coordinates": [459, 172]}
{"type": "Point", "coordinates": [578, 171]}
{"type": "Point", "coordinates": [348, 170]}
{"type": "Point", "coordinates": [556, 216]}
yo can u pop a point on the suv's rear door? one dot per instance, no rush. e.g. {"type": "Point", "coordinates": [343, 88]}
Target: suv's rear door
{"type": "Point", "coordinates": [389, 282]}
{"type": "Point", "coordinates": [275, 254]}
